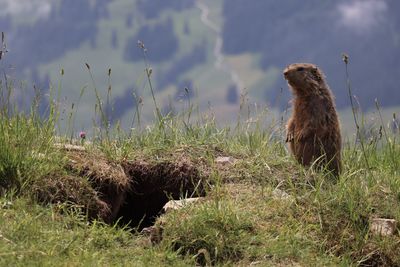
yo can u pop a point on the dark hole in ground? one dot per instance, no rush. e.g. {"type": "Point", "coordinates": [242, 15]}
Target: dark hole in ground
{"type": "Point", "coordinates": [376, 259]}
{"type": "Point", "coordinates": [132, 193]}
{"type": "Point", "coordinates": [152, 186]}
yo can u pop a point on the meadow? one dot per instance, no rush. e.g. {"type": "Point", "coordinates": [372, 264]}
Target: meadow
{"type": "Point", "coordinates": [70, 199]}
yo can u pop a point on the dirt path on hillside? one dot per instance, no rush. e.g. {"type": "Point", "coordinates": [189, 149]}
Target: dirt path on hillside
{"type": "Point", "coordinates": [220, 62]}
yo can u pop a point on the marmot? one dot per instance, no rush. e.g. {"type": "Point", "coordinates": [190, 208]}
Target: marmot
{"type": "Point", "coordinates": [313, 131]}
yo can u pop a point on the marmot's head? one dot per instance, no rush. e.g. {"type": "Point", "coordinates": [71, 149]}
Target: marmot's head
{"type": "Point", "coordinates": [303, 77]}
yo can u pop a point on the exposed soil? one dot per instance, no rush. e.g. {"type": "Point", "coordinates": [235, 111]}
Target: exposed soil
{"type": "Point", "coordinates": [107, 179]}
{"type": "Point", "coordinates": [378, 259]}
{"type": "Point", "coordinates": [132, 193]}
{"type": "Point", "coordinates": [61, 188]}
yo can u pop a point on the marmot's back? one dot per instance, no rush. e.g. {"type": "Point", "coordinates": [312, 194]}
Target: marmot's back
{"type": "Point", "coordinates": [313, 130]}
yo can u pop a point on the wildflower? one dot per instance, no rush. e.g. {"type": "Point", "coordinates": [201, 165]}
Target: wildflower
{"type": "Point", "coordinates": [82, 135]}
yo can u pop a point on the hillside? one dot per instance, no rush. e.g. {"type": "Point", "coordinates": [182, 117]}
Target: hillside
{"type": "Point", "coordinates": [111, 109]}
{"type": "Point", "coordinates": [98, 200]}
{"type": "Point", "coordinates": [218, 50]}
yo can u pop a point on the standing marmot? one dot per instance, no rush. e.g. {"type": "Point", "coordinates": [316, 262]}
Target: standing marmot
{"type": "Point", "coordinates": [313, 131]}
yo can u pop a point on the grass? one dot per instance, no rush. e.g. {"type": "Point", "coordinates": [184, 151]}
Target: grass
{"type": "Point", "coordinates": [32, 235]}
{"type": "Point", "coordinates": [47, 193]}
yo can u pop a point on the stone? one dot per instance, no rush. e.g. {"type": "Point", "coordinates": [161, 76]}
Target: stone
{"type": "Point", "coordinates": [154, 233]}
{"type": "Point", "coordinates": [281, 195]}
{"type": "Point", "coordinates": [225, 160]}
{"type": "Point", "coordinates": [178, 204]}
{"type": "Point", "coordinates": [382, 226]}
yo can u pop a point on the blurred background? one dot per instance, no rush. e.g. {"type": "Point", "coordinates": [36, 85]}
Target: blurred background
{"type": "Point", "coordinates": [211, 52]}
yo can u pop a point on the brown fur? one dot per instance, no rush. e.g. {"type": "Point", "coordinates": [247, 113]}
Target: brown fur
{"type": "Point", "coordinates": [313, 131]}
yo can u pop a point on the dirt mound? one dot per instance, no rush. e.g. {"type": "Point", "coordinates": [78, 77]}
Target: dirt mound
{"type": "Point", "coordinates": [129, 192]}
{"type": "Point", "coordinates": [106, 178]}
{"type": "Point", "coordinates": [63, 188]}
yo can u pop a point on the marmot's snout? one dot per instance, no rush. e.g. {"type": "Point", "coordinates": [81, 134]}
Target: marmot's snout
{"type": "Point", "coordinates": [286, 73]}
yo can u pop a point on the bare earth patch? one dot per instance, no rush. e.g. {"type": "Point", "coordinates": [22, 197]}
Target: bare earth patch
{"type": "Point", "coordinates": [132, 192]}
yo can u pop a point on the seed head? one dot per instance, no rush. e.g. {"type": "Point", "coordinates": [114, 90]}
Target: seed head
{"type": "Point", "coordinates": [345, 58]}
{"type": "Point", "coordinates": [140, 44]}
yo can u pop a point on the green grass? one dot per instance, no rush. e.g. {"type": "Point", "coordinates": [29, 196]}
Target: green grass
{"type": "Point", "coordinates": [32, 235]}
{"type": "Point", "coordinates": [240, 221]}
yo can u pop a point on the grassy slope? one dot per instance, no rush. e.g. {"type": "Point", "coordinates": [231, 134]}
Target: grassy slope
{"type": "Point", "coordinates": [241, 222]}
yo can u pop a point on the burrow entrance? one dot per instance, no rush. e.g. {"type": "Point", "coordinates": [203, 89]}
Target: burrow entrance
{"type": "Point", "coordinates": [132, 193]}
{"type": "Point", "coordinates": [152, 186]}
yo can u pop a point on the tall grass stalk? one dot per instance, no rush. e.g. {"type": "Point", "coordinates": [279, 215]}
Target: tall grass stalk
{"type": "Point", "coordinates": [108, 102]}
{"type": "Point", "coordinates": [104, 120]}
{"type": "Point", "coordinates": [389, 142]}
{"type": "Point", "coordinates": [149, 71]}
{"type": "Point", "coordinates": [73, 113]}
{"type": "Point", "coordinates": [358, 135]}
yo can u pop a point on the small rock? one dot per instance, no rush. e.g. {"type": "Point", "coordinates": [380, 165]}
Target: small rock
{"type": "Point", "coordinates": [383, 227]}
{"type": "Point", "coordinates": [178, 204]}
{"type": "Point", "coordinates": [225, 160]}
{"type": "Point", "coordinates": [147, 230]}
{"type": "Point", "coordinates": [154, 233]}
{"type": "Point", "coordinates": [71, 161]}
{"type": "Point", "coordinates": [282, 195]}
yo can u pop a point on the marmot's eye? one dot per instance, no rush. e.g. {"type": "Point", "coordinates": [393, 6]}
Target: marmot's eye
{"type": "Point", "coordinates": [300, 69]}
